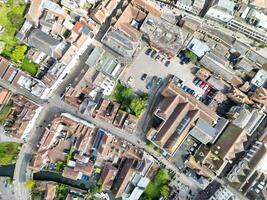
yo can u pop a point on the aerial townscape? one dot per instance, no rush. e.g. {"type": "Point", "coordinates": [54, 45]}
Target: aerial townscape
{"type": "Point", "coordinates": [133, 99]}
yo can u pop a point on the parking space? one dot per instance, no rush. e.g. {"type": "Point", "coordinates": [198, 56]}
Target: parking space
{"type": "Point", "coordinates": [148, 67]}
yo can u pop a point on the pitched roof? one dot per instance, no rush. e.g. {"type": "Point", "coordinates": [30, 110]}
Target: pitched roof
{"type": "Point", "coordinates": [43, 42]}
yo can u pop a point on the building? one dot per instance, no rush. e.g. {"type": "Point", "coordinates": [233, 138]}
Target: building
{"type": "Point", "coordinates": [177, 114]}
{"type": "Point", "coordinates": [104, 62]}
{"type": "Point", "coordinates": [198, 47]}
{"type": "Point", "coordinates": [107, 111]}
{"type": "Point", "coordinates": [126, 171]}
{"type": "Point", "coordinates": [104, 10]}
{"type": "Point", "coordinates": [13, 75]}
{"type": "Point", "coordinates": [248, 30]}
{"type": "Point", "coordinates": [243, 171]}
{"type": "Point", "coordinates": [246, 118]}
{"type": "Point", "coordinates": [45, 43]}
{"type": "Point", "coordinates": [21, 117]}
{"type": "Point", "coordinates": [4, 96]}
{"type": "Point", "coordinates": [260, 79]}
{"type": "Point", "coordinates": [222, 10]}
{"type": "Point", "coordinates": [131, 20]}
{"type": "Point", "coordinates": [67, 133]}
{"type": "Point", "coordinates": [166, 37]}
{"type": "Point", "coordinates": [108, 175]}
{"type": "Point", "coordinates": [210, 161]}
{"type": "Point", "coordinates": [120, 42]}
{"type": "Point", "coordinates": [222, 194]}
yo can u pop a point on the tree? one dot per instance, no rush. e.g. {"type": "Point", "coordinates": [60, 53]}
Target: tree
{"type": "Point", "coordinates": [123, 94]}
{"type": "Point", "coordinates": [30, 184]}
{"type": "Point", "coordinates": [18, 53]}
{"type": "Point", "coordinates": [191, 56]}
{"type": "Point", "coordinates": [15, 18]}
{"type": "Point", "coordinates": [165, 191]}
{"type": "Point", "coordinates": [162, 176]}
{"type": "Point", "coordinates": [138, 105]}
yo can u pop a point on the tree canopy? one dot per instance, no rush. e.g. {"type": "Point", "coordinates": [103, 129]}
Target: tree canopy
{"type": "Point", "coordinates": [18, 53]}
{"type": "Point", "coordinates": [30, 184]}
{"type": "Point", "coordinates": [129, 101]}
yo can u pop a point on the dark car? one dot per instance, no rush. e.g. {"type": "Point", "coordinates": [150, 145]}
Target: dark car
{"type": "Point", "coordinates": [149, 85]}
{"type": "Point", "coordinates": [154, 78]}
{"type": "Point", "coordinates": [153, 54]}
{"type": "Point", "coordinates": [148, 51]}
{"type": "Point", "coordinates": [151, 82]}
{"type": "Point", "coordinates": [167, 63]}
{"type": "Point", "coordinates": [143, 77]}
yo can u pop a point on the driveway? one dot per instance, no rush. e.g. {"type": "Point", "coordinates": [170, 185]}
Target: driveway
{"type": "Point", "coordinates": [145, 64]}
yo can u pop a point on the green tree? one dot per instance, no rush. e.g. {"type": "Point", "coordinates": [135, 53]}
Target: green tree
{"type": "Point", "coordinates": [191, 56]}
{"type": "Point", "coordinates": [162, 176]}
{"type": "Point", "coordinates": [138, 105]}
{"type": "Point", "coordinates": [30, 184]}
{"type": "Point", "coordinates": [15, 18]}
{"type": "Point", "coordinates": [122, 94]}
{"type": "Point", "coordinates": [18, 53]}
{"type": "Point", "coordinates": [165, 191]}
{"type": "Point", "coordinates": [59, 165]}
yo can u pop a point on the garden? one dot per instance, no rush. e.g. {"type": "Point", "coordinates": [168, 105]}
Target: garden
{"type": "Point", "coordinates": [130, 102]}
{"type": "Point", "coordinates": [158, 187]}
{"type": "Point", "coordinates": [8, 152]}
{"type": "Point", "coordinates": [11, 19]}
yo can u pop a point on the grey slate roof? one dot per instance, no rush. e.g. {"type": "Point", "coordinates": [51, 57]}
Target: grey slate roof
{"type": "Point", "coordinates": [203, 131]}
{"type": "Point", "coordinates": [43, 42]}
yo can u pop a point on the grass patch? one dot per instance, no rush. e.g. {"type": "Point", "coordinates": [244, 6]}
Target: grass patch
{"type": "Point", "coordinates": [29, 66]}
{"type": "Point", "coordinates": [157, 187]}
{"type": "Point", "coordinates": [11, 18]}
{"type": "Point", "coordinates": [8, 152]}
{"type": "Point", "coordinates": [5, 112]}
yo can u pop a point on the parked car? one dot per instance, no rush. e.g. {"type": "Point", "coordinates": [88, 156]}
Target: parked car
{"type": "Point", "coordinates": [206, 87]}
{"type": "Point", "coordinates": [153, 54]}
{"type": "Point", "coordinates": [130, 80]}
{"type": "Point", "coordinates": [149, 85]}
{"type": "Point", "coordinates": [148, 51]}
{"type": "Point", "coordinates": [154, 78]}
{"type": "Point", "coordinates": [199, 82]}
{"type": "Point", "coordinates": [202, 85]}
{"type": "Point", "coordinates": [184, 60]}
{"type": "Point", "coordinates": [167, 63]}
{"type": "Point", "coordinates": [158, 57]}
{"type": "Point", "coordinates": [181, 54]}
{"type": "Point", "coordinates": [143, 77]}
{"type": "Point", "coordinates": [195, 80]}
{"type": "Point", "coordinates": [184, 88]}
{"type": "Point", "coordinates": [159, 81]}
